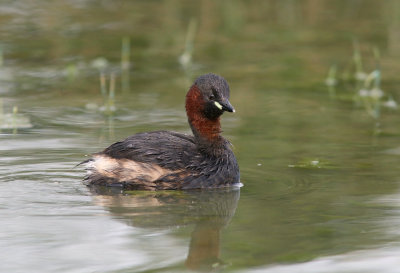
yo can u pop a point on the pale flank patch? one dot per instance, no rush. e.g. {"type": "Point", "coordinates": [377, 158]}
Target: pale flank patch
{"type": "Point", "coordinates": [125, 169]}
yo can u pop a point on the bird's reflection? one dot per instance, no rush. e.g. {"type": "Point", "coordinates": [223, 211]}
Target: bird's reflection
{"type": "Point", "coordinates": [208, 210]}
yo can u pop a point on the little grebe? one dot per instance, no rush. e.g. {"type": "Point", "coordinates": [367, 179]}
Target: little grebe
{"type": "Point", "coordinates": [164, 160]}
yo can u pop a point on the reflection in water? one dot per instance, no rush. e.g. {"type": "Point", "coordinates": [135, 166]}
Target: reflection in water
{"type": "Point", "coordinates": [209, 211]}
{"type": "Point", "coordinates": [316, 216]}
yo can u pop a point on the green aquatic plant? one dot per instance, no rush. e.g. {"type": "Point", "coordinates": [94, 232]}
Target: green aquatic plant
{"type": "Point", "coordinates": [71, 72]}
{"type": "Point", "coordinates": [390, 103]}
{"type": "Point", "coordinates": [185, 59]}
{"type": "Point", "coordinates": [359, 75]}
{"type": "Point", "coordinates": [371, 93]}
{"type": "Point", "coordinates": [14, 120]}
{"type": "Point", "coordinates": [103, 85]}
{"type": "Point", "coordinates": [100, 64]}
{"type": "Point", "coordinates": [367, 86]}
{"type": "Point", "coordinates": [108, 108]}
{"type": "Point", "coordinates": [331, 81]}
{"type": "Point", "coordinates": [111, 93]}
{"type": "Point", "coordinates": [125, 63]}
{"type": "Point", "coordinates": [108, 95]}
{"type": "Point", "coordinates": [1, 56]}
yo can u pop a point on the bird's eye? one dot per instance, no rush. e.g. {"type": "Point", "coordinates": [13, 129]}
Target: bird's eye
{"type": "Point", "coordinates": [213, 95]}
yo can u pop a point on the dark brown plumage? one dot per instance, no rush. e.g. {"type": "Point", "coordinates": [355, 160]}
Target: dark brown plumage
{"type": "Point", "coordinates": [164, 160]}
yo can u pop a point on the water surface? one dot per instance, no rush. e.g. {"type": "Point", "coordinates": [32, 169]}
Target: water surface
{"type": "Point", "coordinates": [319, 163]}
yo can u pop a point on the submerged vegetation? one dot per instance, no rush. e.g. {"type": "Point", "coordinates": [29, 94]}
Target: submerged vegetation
{"type": "Point", "coordinates": [14, 120]}
{"type": "Point", "coordinates": [108, 93]}
{"type": "Point", "coordinates": [365, 87]}
{"type": "Point", "coordinates": [108, 79]}
{"type": "Point", "coordinates": [11, 120]}
{"type": "Point", "coordinates": [313, 172]}
{"type": "Point", "coordinates": [185, 59]}
{"type": "Point", "coordinates": [125, 63]}
{"type": "Point", "coordinates": [1, 56]}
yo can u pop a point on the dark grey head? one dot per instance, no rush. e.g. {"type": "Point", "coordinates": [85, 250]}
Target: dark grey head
{"type": "Point", "coordinates": [215, 91]}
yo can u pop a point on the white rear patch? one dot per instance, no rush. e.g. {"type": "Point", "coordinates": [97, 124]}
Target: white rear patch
{"type": "Point", "coordinates": [125, 169]}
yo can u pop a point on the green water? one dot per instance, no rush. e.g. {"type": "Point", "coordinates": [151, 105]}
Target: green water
{"type": "Point", "coordinates": [319, 163]}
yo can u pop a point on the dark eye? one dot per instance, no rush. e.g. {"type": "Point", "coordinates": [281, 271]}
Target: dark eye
{"type": "Point", "coordinates": [213, 95]}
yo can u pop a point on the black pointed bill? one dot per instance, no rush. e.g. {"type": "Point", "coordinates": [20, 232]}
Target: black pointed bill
{"type": "Point", "coordinates": [225, 106]}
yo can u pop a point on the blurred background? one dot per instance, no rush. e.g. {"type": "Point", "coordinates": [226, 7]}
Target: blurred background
{"type": "Point", "coordinates": [316, 133]}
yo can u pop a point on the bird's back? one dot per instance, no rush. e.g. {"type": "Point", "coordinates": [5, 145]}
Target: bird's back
{"type": "Point", "coordinates": [160, 160]}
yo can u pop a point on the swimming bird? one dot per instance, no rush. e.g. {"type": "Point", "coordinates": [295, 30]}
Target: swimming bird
{"type": "Point", "coordinates": [166, 160]}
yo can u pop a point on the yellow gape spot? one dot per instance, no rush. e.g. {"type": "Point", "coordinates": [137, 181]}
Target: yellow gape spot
{"type": "Point", "coordinates": [219, 106]}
